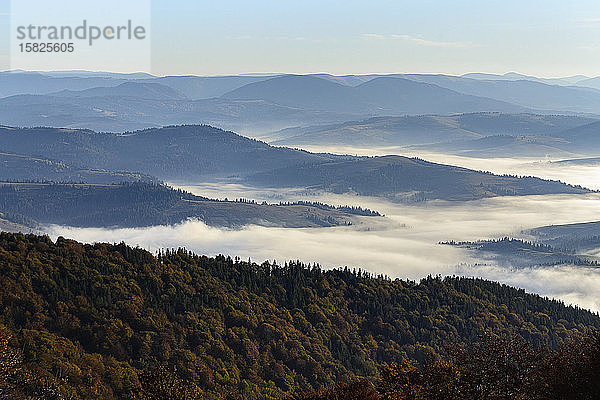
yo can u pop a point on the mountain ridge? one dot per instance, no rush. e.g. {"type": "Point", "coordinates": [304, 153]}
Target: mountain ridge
{"type": "Point", "coordinates": [376, 96]}
{"type": "Point", "coordinates": [200, 152]}
{"type": "Point", "coordinates": [135, 205]}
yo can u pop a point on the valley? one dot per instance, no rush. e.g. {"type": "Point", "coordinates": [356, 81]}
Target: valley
{"type": "Point", "coordinates": [421, 212]}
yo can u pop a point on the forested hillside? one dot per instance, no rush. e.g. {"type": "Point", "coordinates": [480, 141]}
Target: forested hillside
{"type": "Point", "coordinates": [581, 237]}
{"type": "Point", "coordinates": [175, 152]}
{"type": "Point", "coordinates": [24, 168]}
{"type": "Point", "coordinates": [110, 321]}
{"type": "Point", "coordinates": [144, 204]}
{"type": "Point", "coordinates": [407, 179]}
{"type": "Point", "coordinates": [518, 253]}
{"type": "Point", "coordinates": [200, 153]}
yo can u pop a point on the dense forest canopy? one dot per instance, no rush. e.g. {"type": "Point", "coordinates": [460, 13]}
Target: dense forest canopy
{"type": "Point", "coordinates": [101, 321]}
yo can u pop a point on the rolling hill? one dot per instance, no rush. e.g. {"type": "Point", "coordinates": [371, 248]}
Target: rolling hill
{"type": "Point", "coordinates": [517, 253]}
{"type": "Point", "coordinates": [199, 153]}
{"type": "Point", "coordinates": [19, 167]}
{"type": "Point", "coordinates": [506, 146]}
{"type": "Point", "coordinates": [142, 204]}
{"type": "Point", "coordinates": [575, 244]}
{"type": "Point", "coordinates": [378, 96]}
{"type": "Point", "coordinates": [525, 93]}
{"type": "Point", "coordinates": [409, 130]}
{"type": "Point", "coordinates": [406, 179]}
{"type": "Point", "coordinates": [377, 131]}
{"type": "Point", "coordinates": [581, 237]}
{"type": "Point", "coordinates": [591, 161]}
{"type": "Point", "coordinates": [178, 152]}
{"type": "Point", "coordinates": [583, 137]}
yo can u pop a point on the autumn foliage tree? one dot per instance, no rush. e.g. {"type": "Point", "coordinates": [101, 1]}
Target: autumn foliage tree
{"type": "Point", "coordinates": [108, 321]}
{"type": "Point", "coordinates": [495, 368]}
{"type": "Point", "coordinates": [19, 381]}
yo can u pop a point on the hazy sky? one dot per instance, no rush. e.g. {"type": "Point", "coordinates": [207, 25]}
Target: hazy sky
{"type": "Point", "coordinates": [544, 38]}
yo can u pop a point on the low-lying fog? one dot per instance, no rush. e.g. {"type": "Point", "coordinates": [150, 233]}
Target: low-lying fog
{"type": "Point", "coordinates": [402, 244]}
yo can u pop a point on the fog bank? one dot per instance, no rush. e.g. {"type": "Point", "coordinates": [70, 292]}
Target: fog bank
{"type": "Point", "coordinates": [402, 244]}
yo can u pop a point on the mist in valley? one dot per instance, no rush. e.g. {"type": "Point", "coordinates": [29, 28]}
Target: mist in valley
{"type": "Point", "coordinates": [402, 244]}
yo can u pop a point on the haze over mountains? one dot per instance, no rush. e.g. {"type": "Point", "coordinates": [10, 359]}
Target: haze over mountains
{"type": "Point", "coordinates": [378, 96]}
{"type": "Point", "coordinates": [267, 329]}
{"type": "Point", "coordinates": [475, 115]}
{"type": "Point", "coordinates": [425, 129]}
{"type": "Point", "coordinates": [257, 105]}
{"type": "Point", "coordinates": [200, 153]}
{"type": "Point", "coordinates": [473, 118]}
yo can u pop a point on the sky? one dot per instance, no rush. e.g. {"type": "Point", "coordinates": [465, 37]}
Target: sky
{"type": "Point", "coordinates": [543, 38]}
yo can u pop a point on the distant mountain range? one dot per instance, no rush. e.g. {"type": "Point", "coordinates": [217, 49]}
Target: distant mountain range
{"type": "Point", "coordinates": [203, 87]}
{"type": "Point", "coordinates": [475, 134]}
{"type": "Point", "coordinates": [109, 109]}
{"type": "Point", "coordinates": [378, 96]}
{"type": "Point", "coordinates": [532, 94]}
{"type": "Point", "coordinates": [399, 131]}
{"type": "Point", "coordinates": [579, 80]}
{"type": "Point", "coordinates": [149, 91]}
{"type": "Point", "coordinates": [194, 87]}
{"type": "Point", "coordinates": [257, 105]}
{"type": "Point", "coordinates": [200, 153]}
